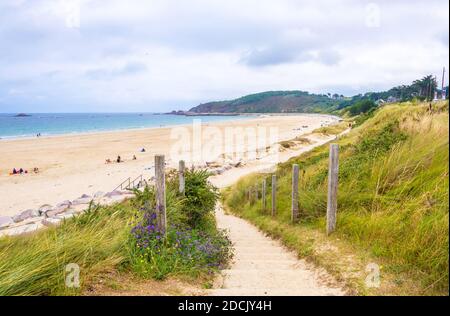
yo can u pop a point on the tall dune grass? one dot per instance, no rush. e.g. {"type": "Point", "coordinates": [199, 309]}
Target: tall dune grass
{"type": "Point", "coordinates": [35, 264]}
{"type": "Point", "coordinates": [393, 190]}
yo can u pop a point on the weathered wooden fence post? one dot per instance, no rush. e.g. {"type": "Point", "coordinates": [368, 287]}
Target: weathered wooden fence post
{"type": "Point", "coordinates": [294, 208]}
{"type": "Point", "coordinates": [264, 195]}
{"type": "Point", "coordinates": [160, 188]}
{"type": "Point", "coordinates": [333, 171]}
{"type": "Point", "coordinates": [274, 194]}
{"type": "Point", "coordinates": [253, 193]}
{"type": "Point", "coordinates": [181, 168]}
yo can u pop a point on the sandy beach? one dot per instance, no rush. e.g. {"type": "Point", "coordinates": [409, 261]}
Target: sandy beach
{"type": "Point", "coordinates": [72, 165]}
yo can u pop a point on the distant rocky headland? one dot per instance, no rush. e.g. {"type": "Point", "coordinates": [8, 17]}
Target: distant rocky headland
{"type": "Point", "coordinates": [189, 113]}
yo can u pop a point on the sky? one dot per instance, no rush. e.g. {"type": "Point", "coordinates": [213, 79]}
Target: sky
{"type": "Point", "coordinates": [162, 55]}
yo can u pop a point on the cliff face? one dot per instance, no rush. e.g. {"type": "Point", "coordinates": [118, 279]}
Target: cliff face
{"type": "Point", "coordinates": [271, 102]}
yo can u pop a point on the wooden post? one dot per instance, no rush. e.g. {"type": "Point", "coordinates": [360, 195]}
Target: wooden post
{"type": "Point", "coordinates": [253, 195]}
{"type": "Point", "coordinates": [181, 168]}
{"type": "Point", "coordinates": [160, 188]}
{"type": "Point", "coordinates": [264, 195]}
{"type": "Point", "coordinates": [274, 194]}
{"type": "Point", "coordinates": [333, 170]}
{"type": "Point", "coordinates": [294, 208]}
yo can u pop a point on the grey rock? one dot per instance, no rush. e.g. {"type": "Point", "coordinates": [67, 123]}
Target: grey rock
{"type": "Point", "coordinates": [55, 211]}
{"type": "Point", "coordinates": [44, 208]}
{"type": "Point", "coordinates": [82, 201]}
{"type": "Point", "coordinates": [5, 221]}
{"type": "Point", "coordinates": [19, 230]}
{"type": "Point", "coordinates": [217, 171]}
{"type": "Point", "coordinates": [77, 209]}
{"type": "Point", "coordinates": [52, 221]}
{"type": "Point", "coordinates": [85, 196]}
{"type": "Point", "coordinates": [64, 203]}
{"type": "Point", "coordinates": [65, 215]}
{"type": "Point", "coordinates": [113, 193]}
{"type": "Point", "coordinates": [99, 194]}
{"type": "Point", "coordinates": [25, 215]}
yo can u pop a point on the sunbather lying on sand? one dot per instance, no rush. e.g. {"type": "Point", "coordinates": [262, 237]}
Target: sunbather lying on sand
{"type": "Point", "coordinates": [20, 171]}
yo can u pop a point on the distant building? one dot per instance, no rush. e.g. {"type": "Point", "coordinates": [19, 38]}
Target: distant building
{"type": "Point", "coordinates": [380, 102]}
{"type": "Point", "coordinates": [392, 99]}
{"type": "Point", "coordinates": [435, 96]}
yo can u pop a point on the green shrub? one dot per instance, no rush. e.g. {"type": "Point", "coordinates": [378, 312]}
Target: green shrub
{"type": "Point", "coordinates": [200, 197]}
{"type": "Point", "coordinates": [192, 243]}
{"type": "Point", "coordinates": [361, 106]}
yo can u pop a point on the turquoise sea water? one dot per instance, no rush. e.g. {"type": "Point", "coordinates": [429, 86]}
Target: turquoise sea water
{"type": "Point", "coordinates": [70, 123]}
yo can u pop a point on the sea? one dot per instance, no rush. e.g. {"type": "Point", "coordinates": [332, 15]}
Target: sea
{"type": "Point", "coordinates": [47, 124]}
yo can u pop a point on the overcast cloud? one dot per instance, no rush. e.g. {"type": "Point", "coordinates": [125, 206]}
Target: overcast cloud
{"type": "Point", "coordinates": [142, 55]}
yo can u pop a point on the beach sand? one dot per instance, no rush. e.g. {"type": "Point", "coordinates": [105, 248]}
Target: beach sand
{"type": "Point", "coordinates": [72, 165]}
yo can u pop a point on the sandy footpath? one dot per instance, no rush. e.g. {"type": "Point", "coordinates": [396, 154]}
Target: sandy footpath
{"type": "Point", "coordinates": [262, 266]}
{"type": "Point", "coordinates": [72, 165]}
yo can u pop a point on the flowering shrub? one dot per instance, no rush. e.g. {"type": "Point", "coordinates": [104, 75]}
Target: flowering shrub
{"type": "Point", "coordinates": [182, 250]}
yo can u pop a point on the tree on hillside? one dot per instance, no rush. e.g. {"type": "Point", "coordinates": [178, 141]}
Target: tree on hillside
{"type": "Point", "coordinates": [362, 106]}
{"type": "Point", "coordinates": [426, 87]}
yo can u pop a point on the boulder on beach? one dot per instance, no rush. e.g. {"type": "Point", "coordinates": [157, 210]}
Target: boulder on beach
{"type": "Point", "coordinates": [65, 215]}
{"type": "Point", "coordinates": [56, 210]}
{"type": "Point", "coordinates": [80, 201]}
{"type": "Point", "coordinates": [25, 215]}
{"type": "Point", "coordinates": [98, 194]}
{"type": "Point", "coordinates": [85, 196]}
{"type": "Point", "coordinates": [23, 229]}
{"type": "Point", "coordinates": [116, 193]}
{"type": "Point", "coordinates": [5, 221]}
{"type": "Point", "coordinates": [64, 203]}
{"type": "Point", "coordinates": [52, 221]}
{"type": "Point", "coordinates": [44, 208]}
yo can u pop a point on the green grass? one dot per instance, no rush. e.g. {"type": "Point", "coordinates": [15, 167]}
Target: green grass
{"type": "Point", "coordinates": [332, 129]}
{"type": "Point", "coordinates": [35, 264]}
{"type": "Point", "coordinates": [393, 194]}
{"type": "Point", "coordinates": [102, 241]}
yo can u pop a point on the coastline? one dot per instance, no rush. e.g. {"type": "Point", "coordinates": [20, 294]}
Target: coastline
{"type": "Point", "coordinates": [245, 116]}
{"type": "Point", "coordinates": [72, 165]}
{"type": "Point", "coordinates": [113, 130]}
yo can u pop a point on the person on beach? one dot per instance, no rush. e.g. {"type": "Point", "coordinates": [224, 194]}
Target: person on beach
{"type": "Point", "coordinates": [134, 157]}
{"type": "Point", "coordinates": [143, 150]}
{"type": "Point", "coordinates": [119, 160]}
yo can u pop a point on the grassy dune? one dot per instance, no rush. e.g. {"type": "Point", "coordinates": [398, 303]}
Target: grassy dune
{"type": "Point", "coordinates": [35, 264]}
{"type": "Point", "coordinates": [121, 237]}
{"type": "Point", "coordinates": [392, 201]}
